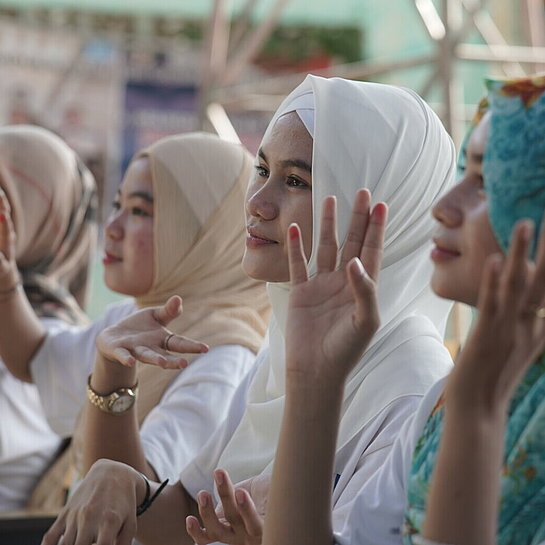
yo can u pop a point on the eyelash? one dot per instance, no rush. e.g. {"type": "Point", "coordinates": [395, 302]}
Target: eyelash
{"type": "Point", "coordinates": [292, 181]}
{"type": "Point", "coordinates": [135, 210]}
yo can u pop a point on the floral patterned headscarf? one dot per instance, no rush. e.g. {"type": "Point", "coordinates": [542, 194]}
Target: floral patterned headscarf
{"type": "Point", "coordinates": [514, 178]}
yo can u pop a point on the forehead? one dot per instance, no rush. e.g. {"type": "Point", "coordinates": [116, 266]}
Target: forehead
{"type": "Point", "coordinates": [476, 144]}
{"type": "Point", "coordinates": [138, 177]}
{"type": "Point", "coordinates": [288, 136]}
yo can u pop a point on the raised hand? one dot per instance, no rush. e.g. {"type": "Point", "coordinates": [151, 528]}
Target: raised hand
{"type": "Point", "coordinates": [236, 521]}
{"type": "Point", "coordinates": [144, 337]}
{"type": "Point", "coordinates": [509, 334]}
{"type": "Point", "coordinates": [9, 274]}
{"type": "Point", "coordinates": [333, 315]}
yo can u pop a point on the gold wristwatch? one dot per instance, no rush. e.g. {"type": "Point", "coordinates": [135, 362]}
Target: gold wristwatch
{"type": "Point", "coordinates": [118, 402]}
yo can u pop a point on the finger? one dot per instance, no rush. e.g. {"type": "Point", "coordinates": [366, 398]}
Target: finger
{"type": "Point", "coordinates": [185, 345]}
{"type": "Point", "coordinates": [170, 310]}
{"type": "Point", "coordinates": [53, 535]}
{"type": "Point", "coordinates": [373, 243]}
{"type": "Point", "coordinates": [148, 355]}
{"type": "Point", "coordinates": [296, 256]}
{"type": "Point", "coordinates": [215, 529]}
{"type": "Point", "coordinates": [126, 535]}
{"type": "Point", "coordinates": [7, 235]}
{"type": "Point", "coordinates": [513, 277]}
{"type": "Point", "coordinates": [358, 226]}
{"type": "Point", "coordinates": [124, 357]}
{"type": "Point", "coordinates": [536, 290]}
{"type": "Point", "coordinates": [197, 534]}
{"type": "Point", "coordinates": [246, 507]}
{"type": "Point", "coordinates": [488, 290]}
{"type": "Point", "coordinates": [108, 532]}
{"type": "Point", "coordinates": [364, 290]}
{"type": "Point", "coordinates": [226, 492]}
{"type": "Point", "coordinates": [328, 246]}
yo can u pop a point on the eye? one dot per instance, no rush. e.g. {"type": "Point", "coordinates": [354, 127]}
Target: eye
{"type": "Point", "coordinates": [292, 181]}
{"type": "Point", "coordinates": [137, 211]}
{"type": "Point", "coordinates": [116, 205]}
{"type": "Point", "coordinates": [261, 171]}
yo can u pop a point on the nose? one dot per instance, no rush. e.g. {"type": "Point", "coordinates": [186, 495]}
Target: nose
{"type": "Point", "coordinates": [114, 225]}
{"type": "Point", "coordinates": [261, 201]}
{"type": "Point", "coordinates": [448, 209]}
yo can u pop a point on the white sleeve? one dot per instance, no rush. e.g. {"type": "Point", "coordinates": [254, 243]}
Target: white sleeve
{"type": "Point", "coordinates": [64, 361]}
{"type": "Point", "coordinates": [198, 475]}
{"type": "Point", "coordinates": [376, 515]}
{"type": "Point", "coordinates": [378, 438]}
{"type": "Point", "coordinates": [192, 408]}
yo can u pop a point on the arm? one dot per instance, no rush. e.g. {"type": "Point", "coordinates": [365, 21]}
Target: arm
{"type": "Point", "coordinates": [336, 310]}
{"type": "Point", "coordinates": [117, 436]}
{"type": "Point", "coordinates": [19, 321]}
{"type": "Point", "coordinates": [506, 340]}
{"type": "Point", "coordinates": [103, 509]}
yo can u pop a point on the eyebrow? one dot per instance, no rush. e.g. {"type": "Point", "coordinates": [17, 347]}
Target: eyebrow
{"type": "Point", "coordinates": [298, 163]}
{"type": "Point", "coordinates": [138, 194]}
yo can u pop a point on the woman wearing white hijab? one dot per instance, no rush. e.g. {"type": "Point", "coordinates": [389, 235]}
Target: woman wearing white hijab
{"type": "Point", "coordinates": [332, 136]}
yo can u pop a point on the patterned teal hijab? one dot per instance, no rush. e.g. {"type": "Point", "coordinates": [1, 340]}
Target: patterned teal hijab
{"type": "Point", "coordinates": [514, 174]}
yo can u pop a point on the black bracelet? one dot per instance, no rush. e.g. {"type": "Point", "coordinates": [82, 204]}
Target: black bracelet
{"type": "Point", "coordinates": [145, 505]}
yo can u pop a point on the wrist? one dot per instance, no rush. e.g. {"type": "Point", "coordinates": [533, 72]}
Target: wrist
{"type": "Point", "coordinates": [110, 375]}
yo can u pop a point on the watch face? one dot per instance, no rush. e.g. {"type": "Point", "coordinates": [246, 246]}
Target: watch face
{"type": "Point", "coordinates": [123, 403]}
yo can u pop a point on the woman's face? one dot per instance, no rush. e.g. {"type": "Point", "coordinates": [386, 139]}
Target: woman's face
{"type": "Point", "coordinates": [464, 238]}
{"type": "Point", "coordinates": [128, 247]}
{"type": "Point", "coordinates": [279, 193]}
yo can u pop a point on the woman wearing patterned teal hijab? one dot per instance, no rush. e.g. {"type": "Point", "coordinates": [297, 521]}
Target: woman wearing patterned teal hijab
{"type": "Point", "coordinates": [491, 469]}
{"type": "Point", "coordinates": [514, 183]}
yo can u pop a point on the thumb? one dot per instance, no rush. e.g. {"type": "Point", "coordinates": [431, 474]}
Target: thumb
{"type": "Point", "coordinates": [170, 310]}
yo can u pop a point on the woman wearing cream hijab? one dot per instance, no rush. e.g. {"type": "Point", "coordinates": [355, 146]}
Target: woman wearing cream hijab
{"type": "Point", "coordinates": [52, 198]}
{"type": "Point", "coordinates": [330, 136]}
{"type": "Point", "coordinates": [179, 204]}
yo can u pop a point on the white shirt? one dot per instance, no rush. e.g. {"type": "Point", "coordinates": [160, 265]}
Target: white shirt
{"type": "Point", "coordinates": [376, 514]}
{"type": "Point", "coordinates": [355, 464]}
{"type": "Point", "coordinates": [174, 431]}
{"type": "Point", "coordinates": [27, 443]}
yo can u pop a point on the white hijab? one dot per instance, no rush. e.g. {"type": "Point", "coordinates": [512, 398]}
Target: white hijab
{"type": "Point", "coordinates": [386, 139]}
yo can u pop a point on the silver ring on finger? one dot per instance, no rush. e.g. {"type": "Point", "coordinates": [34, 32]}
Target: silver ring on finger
{"type": "Point", "coordinates": [167, 339]}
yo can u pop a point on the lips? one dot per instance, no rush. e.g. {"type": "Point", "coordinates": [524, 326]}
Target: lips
{"type": "Point", "coordinates": [255, 234]}
{"type": "Point", "coordinates": [443, 251]}
{"type": "Point", "coordinates": [110, 258]}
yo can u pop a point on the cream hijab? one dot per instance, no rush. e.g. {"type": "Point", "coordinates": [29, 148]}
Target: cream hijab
{"type": "Point", "coordinates": [53, 203]}
{"type": "Point", "coordinates": [386, 139]}
{"type": "Point", "coordinates": [199, 183]}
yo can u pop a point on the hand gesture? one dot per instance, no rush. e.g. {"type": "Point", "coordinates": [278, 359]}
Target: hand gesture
{"type": "Point", "coordinates": [509, 334]}
{"type": "Point", "coordinates": [333, 315]}
{"type": "Point", "coordinates": [102, 510]}
{"type": "Point", "coordinates": [237, 520]}
{"type": "Point", "coordinates": [144, 337]}
{"type": "Point", "coordinates": [9, 274]}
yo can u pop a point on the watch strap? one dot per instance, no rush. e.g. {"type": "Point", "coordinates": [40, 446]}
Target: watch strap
{"type": "Point", "coordinates": [103, 402]}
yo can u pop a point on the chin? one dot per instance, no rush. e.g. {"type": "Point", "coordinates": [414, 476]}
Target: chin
{"type": "Point", "coordinates": [264, 274]}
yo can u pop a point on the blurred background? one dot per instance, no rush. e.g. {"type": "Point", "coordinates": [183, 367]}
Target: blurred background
{"type": "Point", "coordinates": [112, 76]}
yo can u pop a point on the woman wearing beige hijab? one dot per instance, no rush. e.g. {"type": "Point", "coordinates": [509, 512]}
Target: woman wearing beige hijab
{"type": "Point", "coordinates": [178, 206]}
{"type": "Point", "coordinates": [48, 197]}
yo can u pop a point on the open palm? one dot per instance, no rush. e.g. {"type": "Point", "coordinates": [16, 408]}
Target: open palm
{"type": "Point", "coordinates": [333, 316]}
{"type": "Point", "coordinates": [510, 331]}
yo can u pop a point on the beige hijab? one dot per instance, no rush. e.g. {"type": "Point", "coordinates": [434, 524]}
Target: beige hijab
{"type": "Point", "coordinates": [53, 205]}
{"type": "Point", "coordinates": [199, 183]}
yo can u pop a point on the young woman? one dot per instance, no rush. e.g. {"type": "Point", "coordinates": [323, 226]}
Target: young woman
{"type": "Point", "coordinates": [328, 137]}
{"type": "Point", "coordinates": [178, 204]}
{"type": "Point", "coordinates": [499, 379]}
{"type": "Point", "coordinates": [52, 199]}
